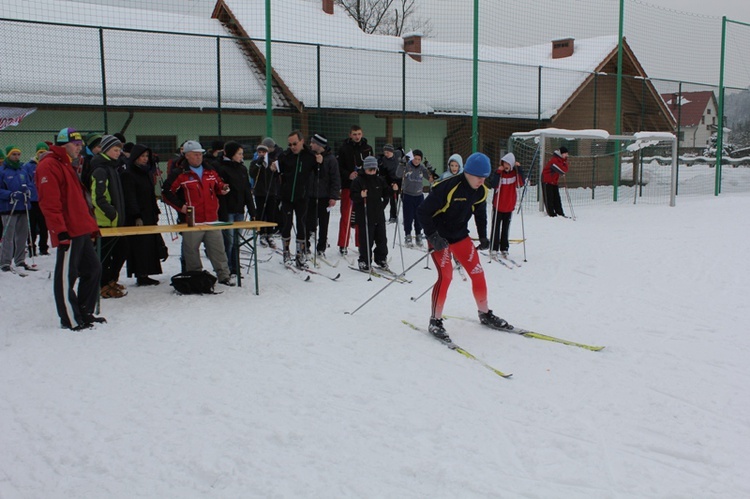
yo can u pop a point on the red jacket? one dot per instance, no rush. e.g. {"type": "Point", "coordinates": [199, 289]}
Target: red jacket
{"type": "Point", "coordinates": [505, 192]}
{"type": "Point", "coordinates": [200, 193]}
{"type": "Point", "coordinates": [554, 167]}
{"type": "Point", "coordinates": [61, 197]}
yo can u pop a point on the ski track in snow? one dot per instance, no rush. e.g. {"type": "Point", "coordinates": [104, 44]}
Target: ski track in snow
{"type": "Point", "coordinates": [283, 395]}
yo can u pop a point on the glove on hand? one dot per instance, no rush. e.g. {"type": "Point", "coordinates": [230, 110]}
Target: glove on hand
{"type": "Point", "coordinates": [18, 197]}
{"type": "Point", "coordinates": [63, 239]}
{"type": "Point", "coordinates": [437, 241]}
{"type": "Point", "coordinates": [484, 244]}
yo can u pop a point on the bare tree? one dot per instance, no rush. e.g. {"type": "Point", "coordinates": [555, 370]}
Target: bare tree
{"type": "Point", "coordinates": [386, 17]}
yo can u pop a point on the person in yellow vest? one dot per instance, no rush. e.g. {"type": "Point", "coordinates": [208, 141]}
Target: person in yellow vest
{"type": "Point", "coordinates": [109, 210]}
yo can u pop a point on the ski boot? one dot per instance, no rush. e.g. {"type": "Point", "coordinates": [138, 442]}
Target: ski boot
{"type": "Point", "coordinates": [418, 240]}
{"type": "Point", "coordinates": [382, 264]}
{"type": "Point", "coordinates": [408, 241]}
{"type": "Point", "coordinates": [363, 266]}
{"type": "Point", "coordinates": [491, 320]}
{"type": "Point", "coordinates": [437, 330]}
{"type": "Point", "coordinates": [287, 257]}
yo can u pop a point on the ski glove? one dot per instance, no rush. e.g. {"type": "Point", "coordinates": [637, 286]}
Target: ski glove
{"type": "Point", "coordinates": [63, 240]}
{"type": "Point", "coordinates": [18, 197]}
{"type": "Point", "coordinates": [437, 241]}
{"type": "Point", "coordinates": [484, 244]}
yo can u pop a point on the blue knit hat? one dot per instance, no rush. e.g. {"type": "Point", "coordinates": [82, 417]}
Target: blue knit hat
{"type": "Point", "coordinates": [477, 164]}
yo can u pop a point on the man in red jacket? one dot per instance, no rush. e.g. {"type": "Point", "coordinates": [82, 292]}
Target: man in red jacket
{"type": "Point", "coordinates": [556, 166]}
{"type": "Point", "coordinates": [71, 225]}
{"type": "Point", "coordinates": [195, 183]}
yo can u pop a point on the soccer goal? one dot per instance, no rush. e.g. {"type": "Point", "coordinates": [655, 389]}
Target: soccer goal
{"type": "Point", "coordinates": [603, 167]}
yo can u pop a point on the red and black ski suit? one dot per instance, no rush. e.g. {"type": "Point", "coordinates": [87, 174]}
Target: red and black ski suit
{"type": "Point", "coordinates": [447, 211]}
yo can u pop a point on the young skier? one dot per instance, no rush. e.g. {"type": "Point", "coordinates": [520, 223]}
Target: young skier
{"type": "Point", "coordinates": [505, 180]}
{"type": "Point", "coordinates": [444, 215]}
{"type": "Point", "coordinates": [370, 194]}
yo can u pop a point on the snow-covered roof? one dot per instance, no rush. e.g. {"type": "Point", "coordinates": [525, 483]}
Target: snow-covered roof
{"type": "Point", "coordinates": [61, 65]}
{"type": "Point", "coordinates": [440, 83]}
{"type": "Point", "coordinates": [165, 70]}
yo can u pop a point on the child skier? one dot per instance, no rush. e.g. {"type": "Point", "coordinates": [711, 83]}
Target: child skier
{"type": "Point", "coordinates": [370, 195]}
{"type": "Point", "coordinates": [505, 180]}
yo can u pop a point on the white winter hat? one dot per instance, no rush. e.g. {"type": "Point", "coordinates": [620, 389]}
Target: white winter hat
{"type": "Point", "coordinates": [509, 158]}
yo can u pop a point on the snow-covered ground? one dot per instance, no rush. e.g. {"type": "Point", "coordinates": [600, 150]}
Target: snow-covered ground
{"type": "Point", "coordinates": [284, 395]}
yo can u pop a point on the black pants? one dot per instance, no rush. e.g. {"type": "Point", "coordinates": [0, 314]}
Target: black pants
{"type": "Point", "coordinates": [38, 228]}
{"type": "Point", "coordinates": [552, 200]}
{"type": "Point", "coordinates": [267, 208]}
{"type": "Point", "coordinates": [114, 253]}
{"type": "Point", "coordinates": [318, 217]}
{"type": "Point", "coordinates": [393, 202]}
{"type": "Point", "coordinates": [376, 234]}
{"type": "Point", "coordinates": [290, 210]}
{"type": "Point", "coordinates": [78, 263]}
{"type": "Point", "coordinates": [500, 230]}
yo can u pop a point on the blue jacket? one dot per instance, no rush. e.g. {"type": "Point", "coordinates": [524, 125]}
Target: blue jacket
{"type": "Point", "coordinates": [450, 205]}
{"type": "Point", "coordinates": [31, 170]}
{"type": "Point", "coordinates": [14, 181]}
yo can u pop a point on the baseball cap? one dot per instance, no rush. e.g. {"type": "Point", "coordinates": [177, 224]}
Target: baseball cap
{"type": "Point", "coordinates": [68, 135]}
{"type": "Point", "coordinates": [192, 146]}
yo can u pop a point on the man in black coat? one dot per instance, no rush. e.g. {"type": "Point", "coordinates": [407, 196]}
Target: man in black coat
{"type": "Point", "coordinates": [325, 191]}
{"type": "Point", "coordinates": [351, 156]}
{"type": "Point", "coordinates": [296, 167]}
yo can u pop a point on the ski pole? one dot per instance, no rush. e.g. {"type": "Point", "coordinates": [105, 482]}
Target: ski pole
{"type": "Point", "coordinates": [523, 233]}
{"type": "Point", "coordinates": [526, 180]}
{"type": "Point", "coordinates": [28, 226]}
{"type": "Point", "coordinates": [493, 234]}
{"type": "Point", "coordinates": [5, 228]}
{"type": "Point", "coordinates": [567, 194]}
{"type": "Point", "coordinates": [402, 274]}
{"type": "Point", "coordinates": [423, 293]}
{"type": "Point", "coordinates": [367, 240]}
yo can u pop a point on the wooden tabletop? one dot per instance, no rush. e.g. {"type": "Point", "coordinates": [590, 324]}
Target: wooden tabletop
{"type": "Point", "coordinates": [159, 229]}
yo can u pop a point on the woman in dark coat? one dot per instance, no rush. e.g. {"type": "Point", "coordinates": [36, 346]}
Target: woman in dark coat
{"type": "Point", "coordinates": [141, 208]}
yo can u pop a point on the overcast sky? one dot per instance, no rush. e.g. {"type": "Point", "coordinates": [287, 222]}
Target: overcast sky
{"type": "Point", "coordinates": [737, 10]}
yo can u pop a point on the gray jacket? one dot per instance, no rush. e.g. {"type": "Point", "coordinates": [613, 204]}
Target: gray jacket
{"type": "Point", "coordinates": [413, 178]}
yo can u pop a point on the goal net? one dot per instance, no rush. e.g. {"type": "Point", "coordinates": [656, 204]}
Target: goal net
{"type": "Point", "coordinates": [604, 168]}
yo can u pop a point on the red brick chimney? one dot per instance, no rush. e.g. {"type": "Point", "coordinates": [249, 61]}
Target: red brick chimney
{"type": "Point", "coordinates": [328, 6]}
{"type": "Point", "coordinates": [562, 48]}
{"type": "Point", "coordinates": [413, 45]}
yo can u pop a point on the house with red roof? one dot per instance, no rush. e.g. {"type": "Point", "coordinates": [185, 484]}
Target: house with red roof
{"type": "Point", "coordinates": [696, 116]}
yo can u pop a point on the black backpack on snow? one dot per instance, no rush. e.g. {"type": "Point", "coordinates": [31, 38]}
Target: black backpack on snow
{"type": "Point", "coordinates": [194, 282]}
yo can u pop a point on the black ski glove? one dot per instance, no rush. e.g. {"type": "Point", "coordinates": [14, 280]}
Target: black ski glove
{"type": "Point", "coordinates": [484, 244]}
{"type": "Point", "coordinates": [437, 241]}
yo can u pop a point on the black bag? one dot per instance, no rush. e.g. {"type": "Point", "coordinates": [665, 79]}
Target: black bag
{"type": "Point", "coordinates": [194, 282]}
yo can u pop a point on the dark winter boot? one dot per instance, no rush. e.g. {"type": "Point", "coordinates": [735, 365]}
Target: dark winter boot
{"type": "Point", "coordinates": [418, 240]}
{"type": "Point", "coordinates": [301, 257]}
{"type": "Point", "coordinates": [382, 264]}
{"type": "Point", "coordinates": [437, 330]}
{"type": "Point", "coordinates": [491, 320]}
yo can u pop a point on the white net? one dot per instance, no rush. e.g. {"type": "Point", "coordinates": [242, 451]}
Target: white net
{"type": "Point", "coordinates": [645, 165]}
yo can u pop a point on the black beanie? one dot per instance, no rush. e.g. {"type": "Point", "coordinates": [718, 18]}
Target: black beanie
{"type": "Point", "coordinates": [563, 150]}
{"type": "Point", "coordinates": [231, 148]}
{"type": "Point", "coordinates": [217, 145]}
